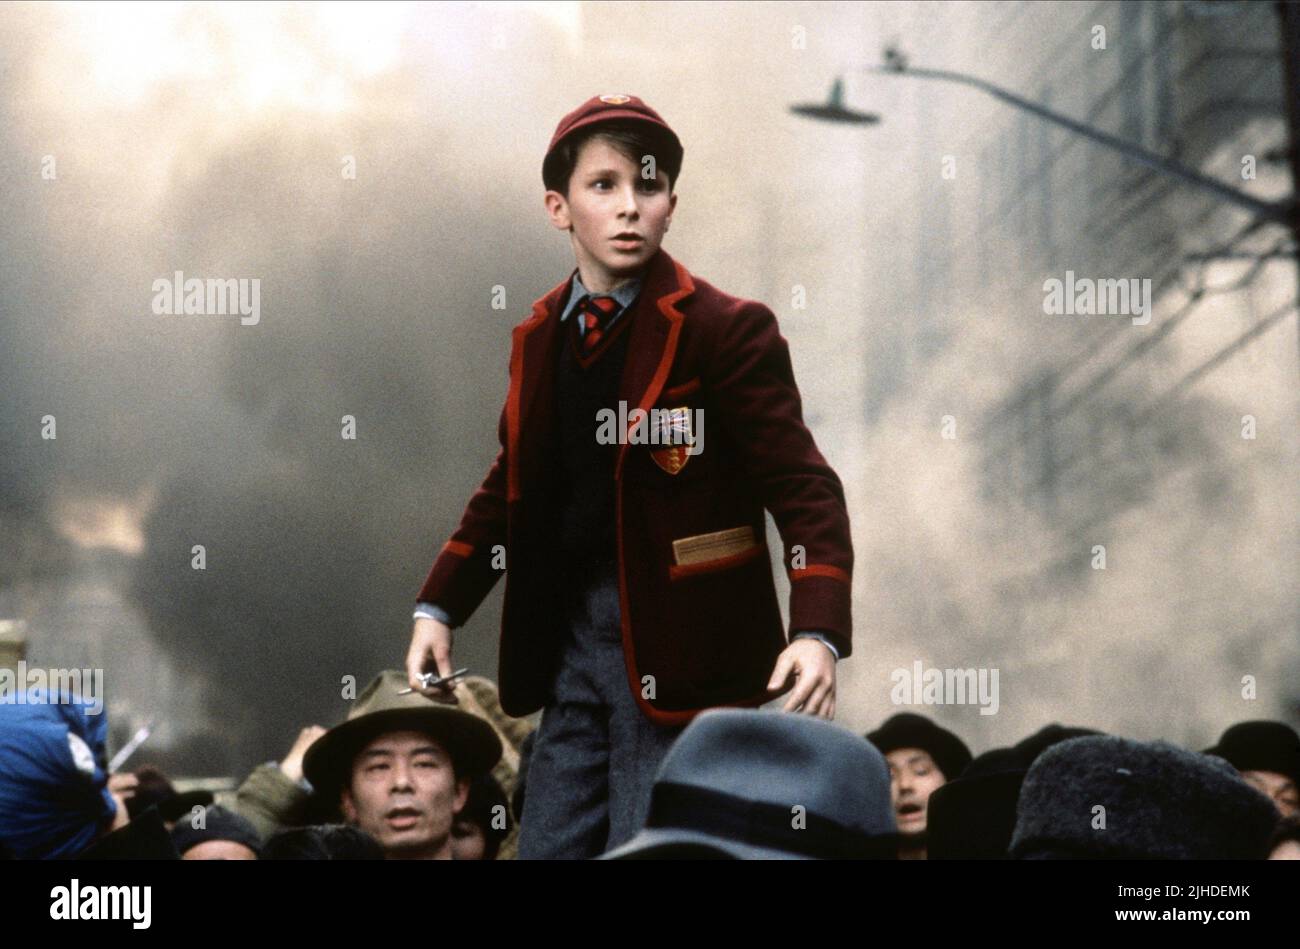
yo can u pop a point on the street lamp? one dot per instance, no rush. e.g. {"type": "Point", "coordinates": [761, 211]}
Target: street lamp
{"type": "Point", "coordinates": [895, 64]}
{"type": "Point", "coordinates": [834, 110]}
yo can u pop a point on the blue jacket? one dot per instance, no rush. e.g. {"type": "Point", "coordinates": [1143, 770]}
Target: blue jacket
{"type": "Point", "coordinates": [54, 797]}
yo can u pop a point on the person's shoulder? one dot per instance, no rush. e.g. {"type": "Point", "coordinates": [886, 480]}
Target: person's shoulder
{"type": "Point", "coordinates": [718, 306]}
{"type": "Point", "coordinates": [549, 303]}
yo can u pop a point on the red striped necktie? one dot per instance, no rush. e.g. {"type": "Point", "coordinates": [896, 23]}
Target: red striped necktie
{"type": "Point", "coordinates": [596, 313]}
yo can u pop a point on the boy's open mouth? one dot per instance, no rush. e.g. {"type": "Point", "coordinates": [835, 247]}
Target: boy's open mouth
{"type": "Point", "coordinates": [909, 811]}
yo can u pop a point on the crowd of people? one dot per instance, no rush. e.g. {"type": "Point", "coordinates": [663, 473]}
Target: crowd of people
{"type": "Point", "coordinates": [405, 777]}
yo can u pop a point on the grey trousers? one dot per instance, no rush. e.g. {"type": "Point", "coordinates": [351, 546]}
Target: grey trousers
{"type": "Point", "coordinates": [596, 753]}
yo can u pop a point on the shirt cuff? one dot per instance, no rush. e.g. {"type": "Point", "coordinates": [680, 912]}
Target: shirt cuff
{"type": "Point", "coordinates": [432, 612]}
{"type": "Point", "coordinates": [820, 637]}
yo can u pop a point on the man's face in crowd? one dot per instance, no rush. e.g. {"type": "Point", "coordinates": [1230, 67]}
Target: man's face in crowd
{"type": "Point", "coordinates": [608, 196]}
{"type": "Point", "coordinates": [219, 850]}
{"type": "Point", "coordinates": [1278, 788]}
{"type": "Point", "coordinates": [467, 841]}
{"type": "Point", "coordinates": [913, 776]}
{"type": "Point", "coordinates": [404, 793]}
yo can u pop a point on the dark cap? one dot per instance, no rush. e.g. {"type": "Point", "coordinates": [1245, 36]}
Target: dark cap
{"type": "Point", "coordinates": [1261, 746]}
{"type": "Point", "coordinates": [218, 824]}
{"type": "Point", "coordinates": [606, 108]}
{"type": "Point", "coordinates": [909, 730]}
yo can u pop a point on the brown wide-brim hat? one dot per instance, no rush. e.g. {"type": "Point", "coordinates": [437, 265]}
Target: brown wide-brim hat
{"type": "Point", "coordinates": [471, 742]}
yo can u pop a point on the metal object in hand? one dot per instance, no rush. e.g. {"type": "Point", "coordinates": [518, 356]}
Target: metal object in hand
{"type": "Point", "coordinates": [430, 679]}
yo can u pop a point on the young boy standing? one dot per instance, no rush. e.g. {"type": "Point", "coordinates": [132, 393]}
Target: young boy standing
{"type": "Point", "coordinates": [639, 588]}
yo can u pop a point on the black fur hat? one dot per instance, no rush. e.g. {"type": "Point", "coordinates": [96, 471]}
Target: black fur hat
{"type": "Point", "coordinates": [1106, 797]}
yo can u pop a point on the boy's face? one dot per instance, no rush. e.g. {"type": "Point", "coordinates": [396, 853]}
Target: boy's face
{"type": "Point", "coordinates": [607, 199]}
{"type": "Point", "coordinates": [913, 777]}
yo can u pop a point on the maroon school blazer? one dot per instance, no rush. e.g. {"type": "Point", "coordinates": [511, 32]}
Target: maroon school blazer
{"type": "Point", "coordinates": [706, 628]}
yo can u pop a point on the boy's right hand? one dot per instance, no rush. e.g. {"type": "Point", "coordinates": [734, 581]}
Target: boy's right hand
{"type": "Point", "coordinates": [430, 650]}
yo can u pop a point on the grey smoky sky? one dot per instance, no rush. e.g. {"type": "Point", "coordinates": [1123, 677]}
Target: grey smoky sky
{"type": "Point", "coordinates": [212, 140]}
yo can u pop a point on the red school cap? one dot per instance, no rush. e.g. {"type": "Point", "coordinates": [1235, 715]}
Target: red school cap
{"type": "Point", "coordinates": [604, 109]}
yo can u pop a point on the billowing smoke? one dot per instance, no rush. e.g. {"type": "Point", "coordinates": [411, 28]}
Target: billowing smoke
{"type": "Point", "coordinates": [377, 269]}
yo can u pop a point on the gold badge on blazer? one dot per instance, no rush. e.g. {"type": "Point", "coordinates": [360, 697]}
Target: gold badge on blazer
{"type": "Point", "coordinates": [675, 433]}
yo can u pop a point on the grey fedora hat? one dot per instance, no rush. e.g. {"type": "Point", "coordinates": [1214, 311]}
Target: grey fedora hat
{"type": "Point", "coordinates": [767, 785]}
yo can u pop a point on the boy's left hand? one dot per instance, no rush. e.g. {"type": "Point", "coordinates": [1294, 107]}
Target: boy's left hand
{"type": "Point", "coordinates": [813, 668]}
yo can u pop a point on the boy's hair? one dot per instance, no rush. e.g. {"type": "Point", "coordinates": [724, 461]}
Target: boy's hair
{"type": "Point", "coordinates": [633, 138]}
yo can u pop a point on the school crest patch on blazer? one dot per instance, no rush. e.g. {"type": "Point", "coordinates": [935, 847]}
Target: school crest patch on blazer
{"type": "Point", "coordinates": [675, 432]}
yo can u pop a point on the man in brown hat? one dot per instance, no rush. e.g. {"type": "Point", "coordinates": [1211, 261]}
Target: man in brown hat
{"type": "Point", "coordinates": [639, 590]}
{"type": "Point", "coordinates": [401, 766]}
